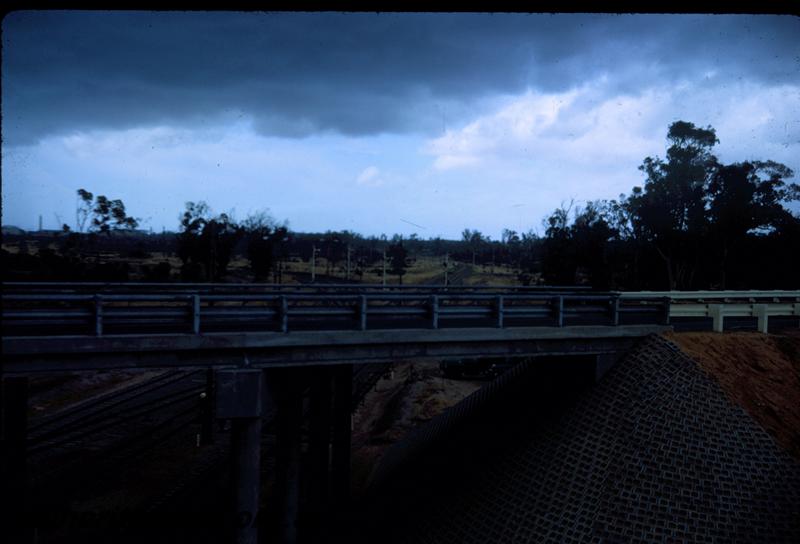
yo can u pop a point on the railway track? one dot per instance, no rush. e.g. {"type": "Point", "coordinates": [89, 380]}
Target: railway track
{"type": "Point", "coordinates": [112, 427]}
{"type": "Point", "coordinates": [94, 409]}
{"type": "Point", "coordinates": [88, 444]}
{"type": "Point", "coordinates": [456, 277]}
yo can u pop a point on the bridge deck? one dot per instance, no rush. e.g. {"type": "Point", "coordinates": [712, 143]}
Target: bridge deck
{"type": "Point", "coordinates": [59, 326]}
{"type": "Point", "coordinates": [271, 349]}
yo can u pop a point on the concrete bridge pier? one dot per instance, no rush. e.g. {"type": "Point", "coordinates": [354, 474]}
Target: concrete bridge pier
{"type": "Point", "coordinates": [342, 430]}
{"type": "Point", "coordinates": [239, 397]}
{"type": "Point", "coordinates": [299, 509]}
{"type": "Point", "coordinates": [286, 387]}
{"type": "Point", "coordinates": [319, 449]}
{"type": "Point", "coordinates": [13, 458]}
{"type": "Point", "coordinates": [326, 466]}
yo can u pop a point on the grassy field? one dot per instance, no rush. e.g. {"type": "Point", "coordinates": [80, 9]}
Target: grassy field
{"type": "Point", "coordinates": [422, 270]}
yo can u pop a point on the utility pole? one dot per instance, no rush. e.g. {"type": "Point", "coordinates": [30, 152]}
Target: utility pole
{"type": "Point", "coordinates": [348, 261]}
{"type": "Point", "coordinates": [446, 267]}
{"type": "Point", "coordinates": [384, 268]}
{"type": "Point", "coordinates": [40, 222]}
{"type": "Point", "coordinates": [313, 263]}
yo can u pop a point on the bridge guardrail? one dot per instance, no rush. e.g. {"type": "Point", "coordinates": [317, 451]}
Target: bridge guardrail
{"type": "Point", "coordinates": [82, 312]}
{"type": "Point", "coordinates": [36, 314]}
{"type": "Point", "coordinates": [700, 296]}
{"type": "Point", "coordinates": [717, 305]}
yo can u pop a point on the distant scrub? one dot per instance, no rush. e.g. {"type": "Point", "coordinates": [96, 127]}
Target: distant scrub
{"type": "Point", "coordinates": [695, 224]}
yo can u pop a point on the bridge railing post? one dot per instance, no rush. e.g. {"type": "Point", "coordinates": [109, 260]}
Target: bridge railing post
{"type": "Point", "coordinates": [499, 310]}
{"type": "Point", "coordinates": [362, 313]}
{"type": "Point", "coordinates": [760, 311]}
{"type": "Point", "coordinates": [283, 314]}
{"type": "Point", "coordinates": [717, 315]}
{"type": "Point", "coordinates": [98, 315]}
{"type": "Point", "coordinates": [434, 311]}
{"type": "Point", "coordinates": [195, 299]}
{"type": "Point", "coordinates": [615, 310]}
{"type": "Point", "coordinates": [558, 306]}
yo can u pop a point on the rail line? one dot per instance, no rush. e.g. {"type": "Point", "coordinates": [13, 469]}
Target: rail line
{"type": "Point", "coordinates": [120, 427]}
{"type": "Point", "coordinates": [113, 422]}
{"type": "Point", "coordinates": [44, 427]}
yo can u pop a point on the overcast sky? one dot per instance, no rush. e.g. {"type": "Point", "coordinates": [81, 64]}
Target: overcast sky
{"type": "Point", "coordinates": [376, 123]}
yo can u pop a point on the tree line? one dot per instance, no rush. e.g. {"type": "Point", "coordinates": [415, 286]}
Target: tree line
{"type": "Point", "coordinates": [695, 223]}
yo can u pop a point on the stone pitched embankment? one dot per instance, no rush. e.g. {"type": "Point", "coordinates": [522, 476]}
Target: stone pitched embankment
{"type": "Point", "coordinates": [655, 452]}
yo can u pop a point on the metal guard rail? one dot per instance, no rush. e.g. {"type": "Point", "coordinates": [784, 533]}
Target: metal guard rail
{"type": "Point", "coordinates": [32, 314]}
{"type": "Point", "coordinates": [719, 296]}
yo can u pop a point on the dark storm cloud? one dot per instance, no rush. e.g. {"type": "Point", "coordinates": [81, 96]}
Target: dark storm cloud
{"type": "Point", "coordinates": [296, 74]}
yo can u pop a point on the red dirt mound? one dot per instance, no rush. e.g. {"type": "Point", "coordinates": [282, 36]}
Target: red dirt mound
{"type": "Point", "coordinates": [760, 372]}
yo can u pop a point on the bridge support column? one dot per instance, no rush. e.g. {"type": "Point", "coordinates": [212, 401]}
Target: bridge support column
{"type": "Point", "coordinates": [319, 454]}
{"type": "Point", "coordinates": [14, 471]}
{"type": "Point", "coordinates": [239, 398]}
{"type": "Point", "coordinates": [286, 386]}
{"type": "Point", "coordinates": [342, 428]}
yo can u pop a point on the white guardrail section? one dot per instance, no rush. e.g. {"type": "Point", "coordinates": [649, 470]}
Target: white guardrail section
{"type": "Point", "coordinates": [720, 304]}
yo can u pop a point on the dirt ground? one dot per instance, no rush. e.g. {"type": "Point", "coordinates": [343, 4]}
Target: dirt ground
{"type": "Point", "coordinates": [413, 394]}
{"type": "Point", "coordinates": [760, 372]}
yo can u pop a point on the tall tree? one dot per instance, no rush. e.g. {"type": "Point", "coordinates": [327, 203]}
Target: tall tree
{"type": "Point", "coordinates": [265, 243]}
{"type": "Point", "coordinates": [398, 260]}
{"type": "Point", "coordinates": [590, 235]}
{"type": "Point", "coordinates": [747, 199]}
{"type": "Point", "coordinates": [474, 240]}
{"type": "Point", "coordinates": [110, 215]}
{"type": "Point", "coordinates": [83, 209]}
{"type": "Point", "coordinates": [106, 215]}
{"type": "Point", "coordinates": [206, 242]}
{"type": "Point", "coordinates": [558, 257]}
{"type": "Point", "coordinates": [670, 211]}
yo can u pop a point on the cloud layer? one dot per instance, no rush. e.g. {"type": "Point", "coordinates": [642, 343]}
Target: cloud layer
{"type": "Point", "coordinates": [376, 123]}
{"type": "Point", "coordinates": [298, 74]}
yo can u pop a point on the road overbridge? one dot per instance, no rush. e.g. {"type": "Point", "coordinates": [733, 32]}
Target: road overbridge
{"type": "Point", "coordinates": [274, 343]}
